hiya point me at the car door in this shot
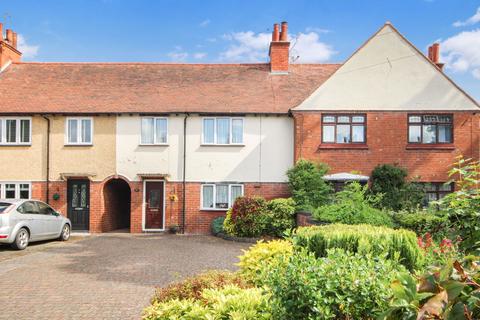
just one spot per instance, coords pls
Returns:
(30, 217)
(51, 221)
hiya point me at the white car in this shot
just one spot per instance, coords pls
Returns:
(24, 221)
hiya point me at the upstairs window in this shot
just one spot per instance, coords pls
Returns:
(154, 131)
(79, 131)
(430, 129)
(220, 196)
(15, 131)
(343, 128)
(222, 131)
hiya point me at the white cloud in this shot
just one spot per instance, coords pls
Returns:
(199, 55)
(253, 47)
(461, 52)
(28, 51)
(470, 21)
(205, 23)
(178, 54)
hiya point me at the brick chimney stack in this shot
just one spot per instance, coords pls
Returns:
(434, 55)
(8, 48)
(279, 49)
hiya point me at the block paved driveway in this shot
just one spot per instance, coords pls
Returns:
(109, 276)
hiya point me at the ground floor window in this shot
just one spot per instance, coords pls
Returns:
(437, 190)
(15, 190)
(220, 196)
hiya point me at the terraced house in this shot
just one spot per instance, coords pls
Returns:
(148, 146)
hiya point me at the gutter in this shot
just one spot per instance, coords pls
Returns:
(184, 172)
(47, 191)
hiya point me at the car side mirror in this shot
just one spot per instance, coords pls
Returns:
(56, 214)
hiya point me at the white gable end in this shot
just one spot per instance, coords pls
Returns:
(388, 73)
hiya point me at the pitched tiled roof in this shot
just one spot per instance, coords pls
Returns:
(156, 87)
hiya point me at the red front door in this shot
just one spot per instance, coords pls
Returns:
(154, 204)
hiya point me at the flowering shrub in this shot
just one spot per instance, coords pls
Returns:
(438, 253)
(247, 217)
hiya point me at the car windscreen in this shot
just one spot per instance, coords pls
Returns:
(4, 206)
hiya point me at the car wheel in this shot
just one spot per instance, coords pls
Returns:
(21, 240)
(65, 235)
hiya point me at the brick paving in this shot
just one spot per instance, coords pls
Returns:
(109, 276)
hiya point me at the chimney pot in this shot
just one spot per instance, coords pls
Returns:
(14, 40)
(283, 33)
(1, 32)
(436, 53)
(430, 50)
(9, 35)
(275, 33)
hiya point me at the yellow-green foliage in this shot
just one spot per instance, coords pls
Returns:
(262, 257)
(364, 239)
(231, 302)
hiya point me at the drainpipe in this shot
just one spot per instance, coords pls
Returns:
(48, 159)
(184, 171)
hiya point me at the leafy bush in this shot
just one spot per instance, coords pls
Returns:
(450, 292)
(398, 194)
(363, 239)
(340, 286)
(262, 257)
(423, 221)
(307, 186)
(247, 217)
(230, 302)
(463, 205)
(280, 216)
(217, 225)
(192, 287)
(353, 205)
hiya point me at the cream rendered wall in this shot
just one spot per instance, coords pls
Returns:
(265, 156)
(97, 159)
(26, 163)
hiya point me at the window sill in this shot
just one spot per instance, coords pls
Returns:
(78, 144)
(15, 144)
(343, 146)
(153, 145)
(447, 146)
(213, 210)
(222, 145)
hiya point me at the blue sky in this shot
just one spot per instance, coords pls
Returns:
(238, 30)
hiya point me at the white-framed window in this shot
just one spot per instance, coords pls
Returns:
(15, 131)
(219, 196)
(15, 190)
(79, 131)
(154, 130)
(222, 131)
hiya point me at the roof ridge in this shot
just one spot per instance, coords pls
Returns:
(169, 63)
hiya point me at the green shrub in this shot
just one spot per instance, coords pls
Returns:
(362, 239)
(192, 287)
(217, 225)
(262, 257)
(247, 217)
(340, 286)
(353, 205)
(307, 186)
(398, 194)
(230, 302)
(280, 216)
(423, 221)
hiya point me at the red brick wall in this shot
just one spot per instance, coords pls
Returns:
(387, 143)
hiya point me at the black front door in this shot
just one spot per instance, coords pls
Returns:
(78, 197)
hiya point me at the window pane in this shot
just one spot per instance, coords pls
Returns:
(445, 187)
(72, 131)
(237, 131)
(444, 133)
(24, 191)
(75, 195)
(154, 198)
(358, 134)
(358, 119)
(1, 131)
(29, 207)
(431, 197)
(328, 119)
(223, 131)
(10, 191)
(221, 197)
(44, 209)
(344, 119)
(445, 119)
(415, 119)
(147, 130)
(236, 191)
(86, 131)
(343, 134)
(414, 134)
(430, 118)
(161, 128)
(11, 125)
(25, 131)
(208, 131)
(207, 197)
(429, 133)
(328, 134)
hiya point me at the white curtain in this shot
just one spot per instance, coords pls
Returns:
(207, 197)
(237, 131)
(223, 131)
(147, 130)
(161, 128)
(72, 131)
(24, 130)
(208, 131)
(236, 191)
(86, 131)
(221, 201)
